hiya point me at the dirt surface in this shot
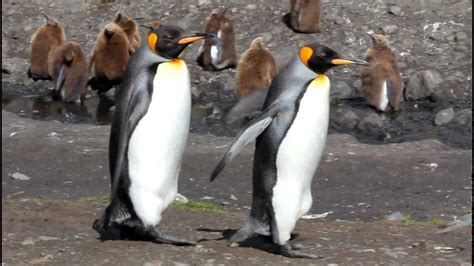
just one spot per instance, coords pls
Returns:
(358, 184)
(59, 233)
(54, 156)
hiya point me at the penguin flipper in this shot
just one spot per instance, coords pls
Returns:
(252, 131)
(249, 105)
(59, 83)
(392, 98)
(127, 114)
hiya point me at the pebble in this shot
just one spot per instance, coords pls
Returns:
(207, 198)
(28, 241)
(396, 216)
(464, 116)
(444, 116)
(251, 7)
(232, 197)
(47, 238)
(371, 123)
(389, 29)
(460, 36)
(20, 176)
(395, 10)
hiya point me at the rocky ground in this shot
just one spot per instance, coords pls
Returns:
(55, 173)
(433, 42)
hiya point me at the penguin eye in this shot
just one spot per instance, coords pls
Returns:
(152, 40)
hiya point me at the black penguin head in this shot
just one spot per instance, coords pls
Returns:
(320, 58)
(169, 42)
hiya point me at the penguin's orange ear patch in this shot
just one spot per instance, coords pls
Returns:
(305, 54)
(152, 39)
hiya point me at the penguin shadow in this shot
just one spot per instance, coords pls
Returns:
(260, 242)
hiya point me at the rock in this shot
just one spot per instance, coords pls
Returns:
(345, 119)
(195, 92)
(181, 198)
(444, 116)
(251, 7)
(443, 91)
(341, 90)
(466, 220)
(225, 203)
(19, 176)
(371, 123)
(460, 36)
(436, 35)
(464, 117)
(389, 29)
(422, 84)
(28, 241)
(207, 198)
(232, 197)
(226, 82)
(396, 216)
(357, 84)
(394, 10)
(47, 238)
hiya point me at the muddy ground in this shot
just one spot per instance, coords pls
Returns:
(408, 165)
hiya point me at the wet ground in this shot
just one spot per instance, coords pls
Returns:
(410, 165)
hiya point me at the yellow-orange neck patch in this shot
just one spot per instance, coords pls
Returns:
(305, 54)
(321, 81)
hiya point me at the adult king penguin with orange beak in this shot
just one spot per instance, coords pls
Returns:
(291, 133)
(148, 137)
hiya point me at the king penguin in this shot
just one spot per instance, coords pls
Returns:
(291, 133)
(148, 137)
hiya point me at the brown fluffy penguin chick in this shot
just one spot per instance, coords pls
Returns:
(130, 27)
(381, 82)
(46, 40)
(255, 70)
(305, 16)
(109, 58)
(70, 73)
(218, 54)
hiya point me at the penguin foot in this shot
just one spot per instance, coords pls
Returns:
(165, 238)
(241, 235)
(288, 250)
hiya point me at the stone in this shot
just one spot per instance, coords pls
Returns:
(443, 91)
(20, 176)
(394, 10)
(226, 82)
(28, 241)
(396, 216)
(251, 7)
(341, 90)
(460, 36)
(444, 116)
(436, 35)
(463, 117)
(422, 84)
(344, 119)
(389, 29)
(371, 123)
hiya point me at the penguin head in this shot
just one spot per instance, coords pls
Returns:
(320, 58)
(379, 41)
(169, 42)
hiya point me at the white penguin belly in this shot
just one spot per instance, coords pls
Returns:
(383, 102)
(298, 157)
(157, 144)
(216, 51)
